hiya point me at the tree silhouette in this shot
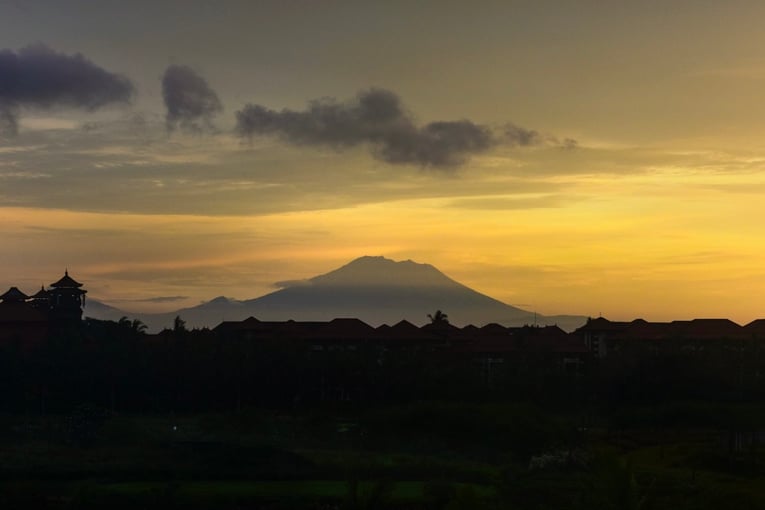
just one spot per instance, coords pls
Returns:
(138, 326)
(135, 326)
(438, 317)
(179, 325)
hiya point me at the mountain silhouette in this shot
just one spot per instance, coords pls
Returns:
(376, 290)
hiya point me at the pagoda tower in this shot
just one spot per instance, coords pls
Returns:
(20, 321)
(66, 300)
(41, 300)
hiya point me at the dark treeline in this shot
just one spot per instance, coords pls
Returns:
(117, 367)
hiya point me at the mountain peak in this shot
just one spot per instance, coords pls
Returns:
(219, 300)
(380, 260)
(381, 271)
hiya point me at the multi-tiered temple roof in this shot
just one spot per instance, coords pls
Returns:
(66, 282)
(29, 318)
(13, 295)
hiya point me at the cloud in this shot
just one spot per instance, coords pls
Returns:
(516, 135)
(378, 118)
(157, 299)
(37, 77)
(191, 103)
(161, 299)
(509, 203)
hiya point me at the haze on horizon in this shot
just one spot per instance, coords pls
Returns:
(575, 158)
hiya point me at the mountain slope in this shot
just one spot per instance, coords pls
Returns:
(380, 290)
(99, 310)
(374, 289)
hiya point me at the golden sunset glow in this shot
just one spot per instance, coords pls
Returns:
(624, 174)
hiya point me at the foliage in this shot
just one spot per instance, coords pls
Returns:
(438, 317)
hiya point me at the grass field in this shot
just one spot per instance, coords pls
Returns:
(276, 461)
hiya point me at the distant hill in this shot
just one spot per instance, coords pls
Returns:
(376, 290)
(98, 310)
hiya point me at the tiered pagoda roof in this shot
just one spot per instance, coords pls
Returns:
(66, 282)
(41, 294)
(13, 295)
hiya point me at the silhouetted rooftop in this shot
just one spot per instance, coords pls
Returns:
(41, 294)
(66, 282)
(756, 327)
(13, 294)
(696, 329)
(19, 311)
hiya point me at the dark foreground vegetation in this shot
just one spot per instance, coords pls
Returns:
(107, 417)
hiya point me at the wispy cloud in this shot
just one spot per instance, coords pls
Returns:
(157, 299)
(507, 203)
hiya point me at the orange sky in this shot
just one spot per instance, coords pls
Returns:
(655, 213)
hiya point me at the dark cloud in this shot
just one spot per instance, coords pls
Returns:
(191, 103)
(378, 118)
(516, 135)
(38, 77)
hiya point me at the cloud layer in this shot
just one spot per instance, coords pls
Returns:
(37, 77)
(191, 103)
(378, 118)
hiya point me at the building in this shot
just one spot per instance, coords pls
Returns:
(28, 320)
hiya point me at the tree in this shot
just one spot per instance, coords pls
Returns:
(438, 318)
(135, 326)
(138, 326)
(179, 324)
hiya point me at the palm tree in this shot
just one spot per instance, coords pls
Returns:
(138, 326)
(438, 318)
(135, 326)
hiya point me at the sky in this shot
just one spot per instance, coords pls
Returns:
(593, 158)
